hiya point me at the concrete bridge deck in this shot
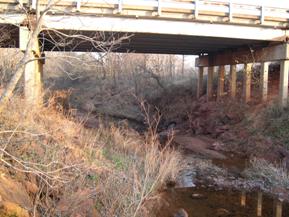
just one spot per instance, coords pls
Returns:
(221, 32)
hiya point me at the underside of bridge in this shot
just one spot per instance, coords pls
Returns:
(214, 49)
(71, 41)
(147, 43)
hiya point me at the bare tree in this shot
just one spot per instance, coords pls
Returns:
(59, 39)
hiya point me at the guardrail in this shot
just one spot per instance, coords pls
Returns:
(256, 12)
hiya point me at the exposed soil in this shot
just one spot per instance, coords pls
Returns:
(228, 133)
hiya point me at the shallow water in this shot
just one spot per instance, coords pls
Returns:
(206, 202)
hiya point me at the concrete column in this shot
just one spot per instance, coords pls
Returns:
(247, 82)
(221, 82)
(33, 81)
(264, 81)
(283, 85)
(210, 82)
(33, 69)
(233, 81)
(200, 82)
(259, 204)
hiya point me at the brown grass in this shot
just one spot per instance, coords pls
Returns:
(108, 170)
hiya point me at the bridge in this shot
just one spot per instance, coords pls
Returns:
(220, 32)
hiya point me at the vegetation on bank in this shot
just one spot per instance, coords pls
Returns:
(277, 124)
(69, 170)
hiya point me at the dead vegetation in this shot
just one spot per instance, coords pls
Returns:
(70, 170)
(271, 177)
(111, 169)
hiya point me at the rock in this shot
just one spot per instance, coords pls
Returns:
(181, 213)
(172, 125)
(218, 146)
(186, 179)
(221, 212)
(197, 196)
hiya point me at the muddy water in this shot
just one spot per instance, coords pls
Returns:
(206, 202)
(201, 201)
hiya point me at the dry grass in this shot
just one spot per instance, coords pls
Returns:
(271, 175)
(110, 171)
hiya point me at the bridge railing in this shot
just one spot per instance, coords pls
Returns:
(254, 12)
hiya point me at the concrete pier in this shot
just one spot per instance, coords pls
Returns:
(221, 82)
(233, 81)
(264, 81)
(283, 85)
(200, 81)
(247, 73)
(210, 79)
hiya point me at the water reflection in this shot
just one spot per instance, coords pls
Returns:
(243, 198)
(221, 203)
(278, 208)
(259, 204)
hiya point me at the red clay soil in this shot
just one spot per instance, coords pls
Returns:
(229, 121)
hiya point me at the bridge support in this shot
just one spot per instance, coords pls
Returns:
(33, 81)
(221, 82)
(33, 69)
(264, 81)
(283, 85)
(247, 73)
(233, 81)
(264, 55)
(200, 82)
(210, 79)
